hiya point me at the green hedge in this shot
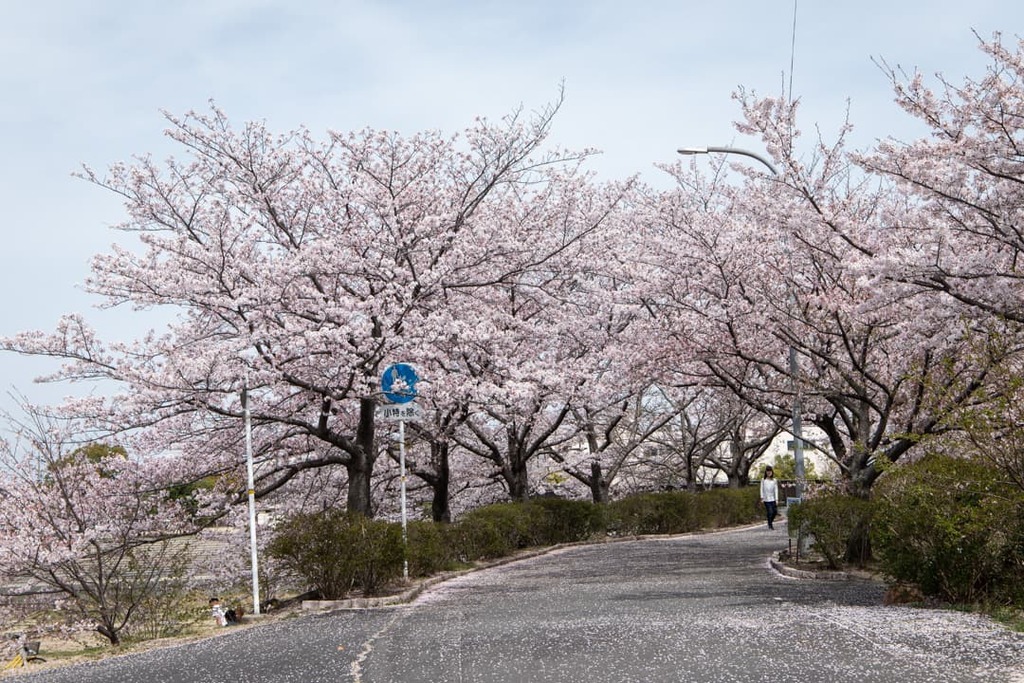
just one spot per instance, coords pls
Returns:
(337, 553)
(839, 525)
(676, 512)
(954, 527)
(431, 548)
(495, 531)
(558, 520)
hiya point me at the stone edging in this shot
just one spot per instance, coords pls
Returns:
(826, 575)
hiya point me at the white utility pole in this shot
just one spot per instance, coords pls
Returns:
(252, 501)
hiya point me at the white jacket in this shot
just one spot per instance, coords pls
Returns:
(769, 490)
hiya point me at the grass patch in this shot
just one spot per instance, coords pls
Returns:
(1010, 617)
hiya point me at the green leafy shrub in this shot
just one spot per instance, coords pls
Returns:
(837, 522)
(430, 548)
(501, 529)
(726, 507)
(565, 521)
(671, 512)
(676, 512)
(377, 551)
(336, 552)
(952, 527)
(497, 530)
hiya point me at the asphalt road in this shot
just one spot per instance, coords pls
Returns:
(690, 608)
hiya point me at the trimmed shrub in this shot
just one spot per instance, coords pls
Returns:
(566, 521)
(672, 512)
(336, 552)
(430, 548)
(952, 527)
(503, 528)
(676, 512)
(377, 553)
(726, 507)
(836, 522)
(496, 530)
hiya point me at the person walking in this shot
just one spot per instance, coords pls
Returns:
(770, 495)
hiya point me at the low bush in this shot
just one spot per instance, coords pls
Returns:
(496, 530)
(377, 553)
(431, 549)
(676, 512)
(566, 521)
(654, 513)
(837, 522)
(336, 552)
(954, 528)
(726, 507)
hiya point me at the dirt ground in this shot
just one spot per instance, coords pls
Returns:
(83, 647)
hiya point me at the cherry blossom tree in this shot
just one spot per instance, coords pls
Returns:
(685, 446)
(779, 264)
(611, 439)
(523, 353)
(748, 437)
(86, 523)
(302, 267)
(528, 377)
(961, 235)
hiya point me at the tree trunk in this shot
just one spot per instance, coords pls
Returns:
(516, 477)
(599, 488)
(360, 467)
(109, 633)
(858, 547)
(440, 506)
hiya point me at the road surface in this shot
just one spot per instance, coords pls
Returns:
(693, 608)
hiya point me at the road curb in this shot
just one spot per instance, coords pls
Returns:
(823, 575)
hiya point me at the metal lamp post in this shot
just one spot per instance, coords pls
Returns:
(251, 490)
(798, 442)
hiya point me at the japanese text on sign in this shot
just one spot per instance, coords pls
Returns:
(404, 412)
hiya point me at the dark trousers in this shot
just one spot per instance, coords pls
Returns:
(771, 509)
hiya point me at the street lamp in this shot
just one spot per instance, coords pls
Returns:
(254, 562)
(798, 442)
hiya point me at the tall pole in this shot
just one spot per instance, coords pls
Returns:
(405, 530)
(398, 383)
(798, 441)
(252, 501)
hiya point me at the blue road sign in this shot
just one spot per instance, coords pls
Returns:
(399, 383)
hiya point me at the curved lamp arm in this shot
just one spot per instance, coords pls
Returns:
(687, 151)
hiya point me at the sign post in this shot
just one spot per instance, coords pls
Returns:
(399, 386)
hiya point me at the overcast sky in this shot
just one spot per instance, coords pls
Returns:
(85, 83)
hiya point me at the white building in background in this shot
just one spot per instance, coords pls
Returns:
(815, 449)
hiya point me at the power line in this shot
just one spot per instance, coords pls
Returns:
(792, 54)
